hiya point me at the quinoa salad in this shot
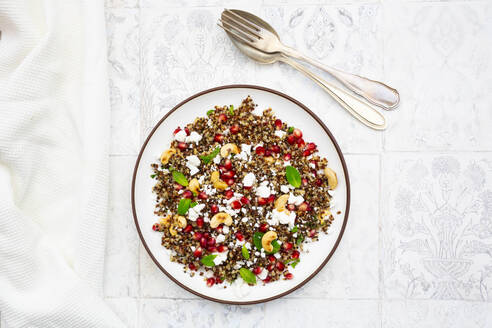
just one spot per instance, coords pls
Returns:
(239, 193)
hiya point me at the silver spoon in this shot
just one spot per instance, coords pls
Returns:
(358, 108)
(260, 35)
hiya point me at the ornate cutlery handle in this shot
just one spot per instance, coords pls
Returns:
(361, 110)
(375, 92)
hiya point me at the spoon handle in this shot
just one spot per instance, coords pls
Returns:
(375, 92)
(360, 109)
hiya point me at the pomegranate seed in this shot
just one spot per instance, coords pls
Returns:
(280, 266)
(288, 246)
(295, 254)
(187, 194)
(267, 279)
(236, 204)
(212, 249)
(156, 226)
(278, 124)
(222, 169)
(306, 153)
(271, 198)
(182, 146)
(260, 151)
(219, 138)
(287, 157)
(210, 282)
(257, 270)
(312, 233)
(222, 118)
(301, 143)
(187, 131)
(244, 200)
(228, 175)
(239, 236)
(262, 201)
(318, 182)
(275, 149)
(206, 235)
(197, 235)
(188, 228)
(230, 182)
(270, 267)
(178, 186)
(247, 187)
(291, 139)
(197, 252)
(234, 129)
(297, 133)
(177, 130)
(200, 222)
(221, 248)
(228, 164)
(211, 241)
(272, 259)
(291, 207)
(304, 181)
(218, 280)
(303, 207)
(268, 152)
(192, 266)
(219, 228)
(202, 195)
(311, 146)
(264, 227)
(203, 241)
(214, 209)
(229, 194)
(288, 276)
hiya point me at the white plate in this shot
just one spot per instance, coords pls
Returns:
(288, 110)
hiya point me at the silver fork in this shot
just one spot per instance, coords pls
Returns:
(257, 33)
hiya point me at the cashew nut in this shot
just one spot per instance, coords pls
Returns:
(180, 221)
(166, 155)
(332, 178)
(227, 149)
(269, 159)
(214, 176)
(215, 179)
(281, 202)
(194, 185)
(266, 240)
(220, 218)
(326, 213)
(172, 231)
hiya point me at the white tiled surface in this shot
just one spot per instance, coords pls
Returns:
(418, 247)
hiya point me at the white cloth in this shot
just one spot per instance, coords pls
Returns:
(54, 131)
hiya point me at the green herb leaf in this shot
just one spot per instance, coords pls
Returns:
(209, 260)
(180, 178)
(257, 239)
(276, 247)
(210, 112)
(245, 252)
(193, 204)
(208, 158)
(299, 240)
(184, 206)
(295, 263)
(290, 130)
(294, 229)
(247, 276)
(153, 176)
(231, 110)
(293, 176)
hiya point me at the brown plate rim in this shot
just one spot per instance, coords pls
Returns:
(325, 128)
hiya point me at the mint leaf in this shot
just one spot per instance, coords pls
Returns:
(153, 176)
(184, 206)
(245, 252)
(209, 260)
(208, 158)
(257, 239)
(210, 112)
(231, 110)
(180, 178)
(247, 276)
(294, 229)
(293, 176)
(290, 130)
(299, 240)
(193, 204)
(295, 263)
(276, 247)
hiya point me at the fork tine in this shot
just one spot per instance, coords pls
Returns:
(241, 25)
(234, 34)
(246, 21)
(236, 30)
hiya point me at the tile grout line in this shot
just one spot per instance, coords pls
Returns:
(139, 287)
(380, 242)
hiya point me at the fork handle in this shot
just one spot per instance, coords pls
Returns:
(375, 92)
(360, 109)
